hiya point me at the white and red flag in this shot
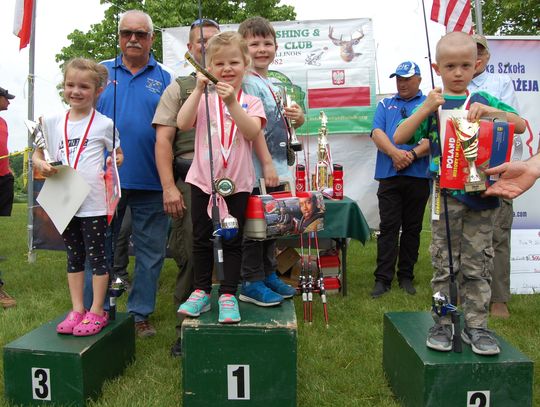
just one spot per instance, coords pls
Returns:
(454, 14)
(331, 88)
(22, 22)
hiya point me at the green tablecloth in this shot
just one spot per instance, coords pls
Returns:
(344, 219)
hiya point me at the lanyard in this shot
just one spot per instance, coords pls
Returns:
(279, 103)
(226, 144)
(80, 147)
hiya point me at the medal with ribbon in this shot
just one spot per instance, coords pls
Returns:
(225, 186)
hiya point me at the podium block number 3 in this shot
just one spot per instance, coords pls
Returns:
(478, 399)
(238, 382)
(41, 384)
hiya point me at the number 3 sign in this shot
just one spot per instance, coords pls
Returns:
(41, 384)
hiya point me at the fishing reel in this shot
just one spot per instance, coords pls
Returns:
(228, 228)
(117, 287)
(441, 305)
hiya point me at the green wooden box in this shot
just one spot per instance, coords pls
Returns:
(44, 367)
(252, 363)
(422, 377)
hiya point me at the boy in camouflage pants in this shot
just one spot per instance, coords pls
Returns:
(471, 216)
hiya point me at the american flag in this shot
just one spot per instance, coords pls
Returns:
(454, 14)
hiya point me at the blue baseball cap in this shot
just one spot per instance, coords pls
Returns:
(406, 70)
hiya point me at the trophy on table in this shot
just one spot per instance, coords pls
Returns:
(37, 133)
(467, 133)
(322, 172)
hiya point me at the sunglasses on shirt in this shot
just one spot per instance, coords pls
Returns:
(403, 112)
(140, 35)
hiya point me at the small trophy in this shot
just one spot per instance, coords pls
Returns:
(295, 143)
(38, 137)
(467, 134)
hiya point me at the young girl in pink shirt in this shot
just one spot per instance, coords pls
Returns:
(236, 121)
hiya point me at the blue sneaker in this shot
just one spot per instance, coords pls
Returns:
(259, 294)
(228, 309)
(197, 303)
(273, 282)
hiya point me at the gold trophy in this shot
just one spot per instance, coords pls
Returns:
(467, 134)
(323, 156)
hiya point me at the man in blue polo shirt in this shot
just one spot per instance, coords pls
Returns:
(140, 82)
(402, 172)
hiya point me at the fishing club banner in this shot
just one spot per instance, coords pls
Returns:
(517, 57)
(323, 64)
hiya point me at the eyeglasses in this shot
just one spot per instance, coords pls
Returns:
(403, 112)
(204, 22)
(140, 35)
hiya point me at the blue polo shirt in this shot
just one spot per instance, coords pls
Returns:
(390, 111)
(137, 97)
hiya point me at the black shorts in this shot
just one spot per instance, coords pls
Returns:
(6, 194)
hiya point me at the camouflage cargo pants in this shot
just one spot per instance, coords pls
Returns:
(471, 235)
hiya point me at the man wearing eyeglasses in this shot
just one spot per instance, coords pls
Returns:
(402, 172)
(174, 150)
(140, 81)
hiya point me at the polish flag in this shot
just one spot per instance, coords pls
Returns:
(333, 88)
(454, 14)
(22, 23)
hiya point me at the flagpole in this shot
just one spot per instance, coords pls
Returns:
(30, 191)
(478, 13)
(428, 48)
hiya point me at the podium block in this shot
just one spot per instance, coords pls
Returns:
(44, 367)
(252, 363)
(423, 377)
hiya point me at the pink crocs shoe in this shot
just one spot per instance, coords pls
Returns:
(73, 319)
(91, 324)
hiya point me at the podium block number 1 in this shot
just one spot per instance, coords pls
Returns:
(41, 384)
(238, 382)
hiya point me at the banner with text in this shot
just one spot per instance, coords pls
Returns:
(517, 57)
(323, 64)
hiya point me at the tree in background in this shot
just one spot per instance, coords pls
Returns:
(100, 41)
(510, 17)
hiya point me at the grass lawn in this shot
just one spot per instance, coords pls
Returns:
(337, 366)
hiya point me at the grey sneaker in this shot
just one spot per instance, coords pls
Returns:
(481, 340)
(440, 338)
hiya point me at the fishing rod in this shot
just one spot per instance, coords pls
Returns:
(303, 278)
(216, 221)
(116, 284)
(451, 307)
(320, 279)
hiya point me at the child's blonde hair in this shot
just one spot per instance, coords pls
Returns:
(225, 39)
(98, 72)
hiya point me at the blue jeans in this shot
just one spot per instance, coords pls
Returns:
(149, 234)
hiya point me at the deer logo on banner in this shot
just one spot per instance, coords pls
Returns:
(346, 46)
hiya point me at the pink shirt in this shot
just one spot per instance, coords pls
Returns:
(4, 162)
(239, 163)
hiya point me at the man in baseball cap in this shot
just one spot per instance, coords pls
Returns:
(401, 171)
(406, 70)
(6, 94)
